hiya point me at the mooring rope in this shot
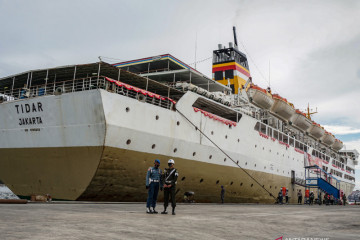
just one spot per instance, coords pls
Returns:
(236, 163)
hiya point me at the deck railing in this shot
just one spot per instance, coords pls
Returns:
(78, 85)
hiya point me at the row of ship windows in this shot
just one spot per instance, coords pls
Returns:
(178, 124)
(210, 156)
(231, 183)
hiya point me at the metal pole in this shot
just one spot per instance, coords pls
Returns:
(73, 87)
(30, 79)
(97, 81)
(46, 79)
(190, 76)
(148, 67)
(119, 75)
(147, 83)
(27, 81)
(12, 87)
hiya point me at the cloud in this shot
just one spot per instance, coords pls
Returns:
(341, 130)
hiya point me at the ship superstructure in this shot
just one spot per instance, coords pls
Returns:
(89, 132)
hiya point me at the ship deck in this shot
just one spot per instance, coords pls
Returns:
(68, 220)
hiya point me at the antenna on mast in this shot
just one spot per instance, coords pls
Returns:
(195, 47)
(235, 39)
(269, 73)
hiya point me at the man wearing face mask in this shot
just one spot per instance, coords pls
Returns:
(153, 182)
(169, 179)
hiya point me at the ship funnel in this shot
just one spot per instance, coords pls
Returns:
(231, 45)
(220, 46)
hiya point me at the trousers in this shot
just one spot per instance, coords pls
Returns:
(167, 193)
(152, 194)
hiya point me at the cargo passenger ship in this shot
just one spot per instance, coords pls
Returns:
(90, 132)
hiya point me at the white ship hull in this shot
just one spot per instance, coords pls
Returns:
(97, 145)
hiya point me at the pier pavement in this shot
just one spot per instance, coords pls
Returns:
(74, 220)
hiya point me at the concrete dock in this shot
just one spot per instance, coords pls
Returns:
(197, 221)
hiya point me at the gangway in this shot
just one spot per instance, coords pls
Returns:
(315, 177)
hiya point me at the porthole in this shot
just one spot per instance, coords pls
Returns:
(128, 141)
(238, 140)
(263, 148)
(201, 180)
(237, 162)
(246, 163)
(278, 153)
(153, 146)
(178, 123)
(217, 182)
(231, 183)
(255, 165)
(194, 153)
(252, 185)
(212, 132)
(264, 167)
(157, 117)
(183, 178)
(224, 159)
(270, 150)
(127, 109)
(210, 156)
(225, 136)
(255, 146)
(241, 184)
(175, 150)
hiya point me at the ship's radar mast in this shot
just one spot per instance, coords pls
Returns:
(308, 113)
(230, 65)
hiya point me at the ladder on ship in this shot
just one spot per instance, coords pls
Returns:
(315, 177)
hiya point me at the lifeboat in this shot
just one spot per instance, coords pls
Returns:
(316, 130)
(337, 145)
(300, 120)
(282, 108)
(328, 138)
(260, 97)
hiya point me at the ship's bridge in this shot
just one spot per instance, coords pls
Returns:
(169, 70)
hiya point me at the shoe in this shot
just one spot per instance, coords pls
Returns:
(149, 211)
(173, 211)
(154, 211)
(164, 212)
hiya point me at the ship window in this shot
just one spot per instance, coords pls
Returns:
(219, 75)
(232, 88)
(229, 74)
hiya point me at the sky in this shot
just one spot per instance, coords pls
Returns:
(308, 51)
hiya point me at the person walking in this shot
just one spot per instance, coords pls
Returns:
(344, 199)
(169, 178)
(287, 196)
(153, 183)
(280, 197)
(311, 198)
(299, 197)
(332, 199)
(222, 194)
